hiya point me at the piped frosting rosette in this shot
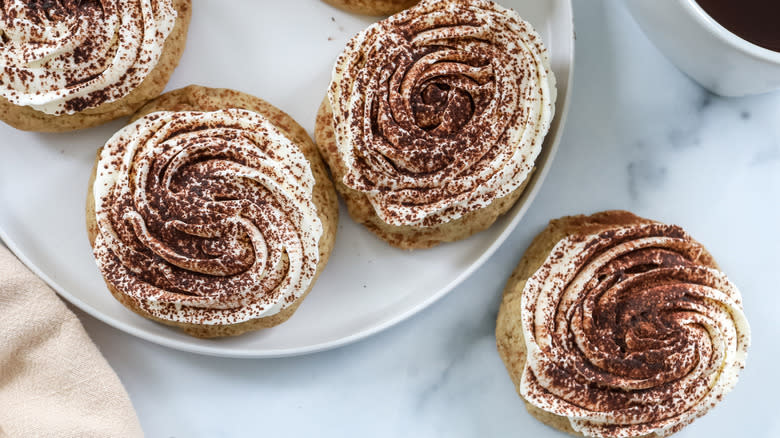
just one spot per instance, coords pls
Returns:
(627, 334)
(64, 56)
(441, 109)
(206, 217)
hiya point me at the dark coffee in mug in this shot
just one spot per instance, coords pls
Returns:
(757, 21)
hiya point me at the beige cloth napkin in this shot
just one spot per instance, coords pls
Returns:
(53, 380)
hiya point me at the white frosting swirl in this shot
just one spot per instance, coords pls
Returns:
(441, 109)
(64, 56)
(627, 334)
(206, 217)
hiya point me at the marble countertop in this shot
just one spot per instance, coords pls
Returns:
(640, 136)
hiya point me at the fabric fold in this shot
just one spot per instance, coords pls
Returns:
(53, 379)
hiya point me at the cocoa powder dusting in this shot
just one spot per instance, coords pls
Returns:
(621, 342)
(201, 231)
(442, 92)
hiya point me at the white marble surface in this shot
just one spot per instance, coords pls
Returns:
(640, 136)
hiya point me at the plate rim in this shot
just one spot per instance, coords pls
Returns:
(561, 115)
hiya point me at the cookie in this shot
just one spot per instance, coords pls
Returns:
(431, 125)
(212, 212)
(84, 77)
(372, 7)
(602, 327)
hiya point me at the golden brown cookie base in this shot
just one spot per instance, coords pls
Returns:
(372, 7)
(509, 330)
(404, 237)
(196, 98)
(28, 119)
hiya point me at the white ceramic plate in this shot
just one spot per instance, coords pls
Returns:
(282, 52)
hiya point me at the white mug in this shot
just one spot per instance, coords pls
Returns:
(698, 45)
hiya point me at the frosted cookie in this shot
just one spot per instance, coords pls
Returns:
(72, 64)
(434, 119)
(212, 212)
(617, 326)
